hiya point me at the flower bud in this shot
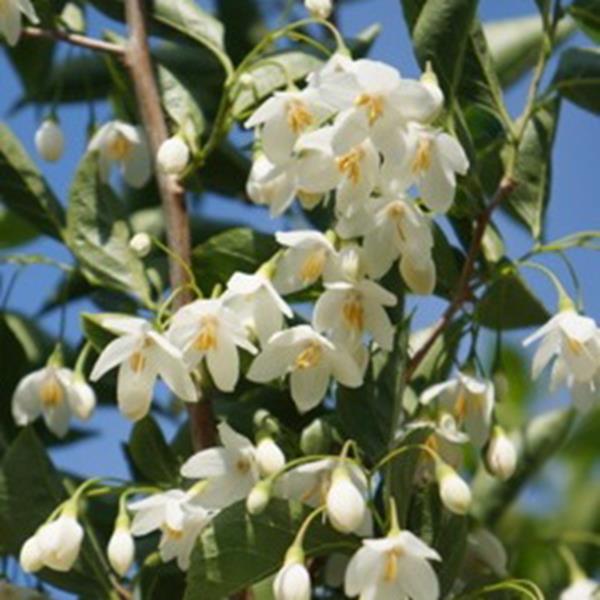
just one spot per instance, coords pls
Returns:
(454, 492)
(121, 549)
(60, 541)
(31, 556)
(419, 273)
(316, 438)
(49, 140)
(292, 582)
(320, 9)
(269, 457)
(345, 504)
(247, 80)
(141, 244)
(259, 497)
(173, 156)
(501, 455)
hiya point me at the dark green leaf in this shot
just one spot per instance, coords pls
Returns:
(578, 77)
(238, 550)
(14, 231)
(244, 26)
(91, 325)
(24, 190)
(587, 15)
(98, 233)
(448, 263)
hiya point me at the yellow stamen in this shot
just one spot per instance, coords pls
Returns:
(137, 362)
(313, 266)
(391, 565)
(349, 164)
(422, 160)
(242, 465)
(309, 357)
(173, 534)
(373, 104)
(51, 392)
(353, 312)
(397, 212)
(207, 337)
(299, 117)
(118, 147)
(575, 346)
(460, 406)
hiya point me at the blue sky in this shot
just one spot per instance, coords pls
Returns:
(574, 196)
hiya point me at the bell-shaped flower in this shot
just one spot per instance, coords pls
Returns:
(469, 400)
(393, 567)
(581, 589)
(50, 141)
(501, 455)
(121, 549)
(55, 393)
(208, 330)
(178, 515)
(349, 310)
(345, 502)
(292, 581)
(257, 304)
(272, 185)
(10, 18)
(231, 469)
(310, 359)
(142, 354)
(572, 342)
(127, 145)
(309, 256)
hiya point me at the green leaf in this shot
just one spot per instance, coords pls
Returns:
(98, 233)
(578, 77)
(533, 172)
(587, 15)
(238, 550)
(150, 453)
(14, 231)
(240, 249)
(244, 26)
(24, 190)
(448, 263)
(508, 303)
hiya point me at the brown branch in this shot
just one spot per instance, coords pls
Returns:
(462, 293)
(74, 39)
(139, 63)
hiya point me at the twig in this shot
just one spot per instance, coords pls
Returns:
(139, 63)
(74, 39)
(462, 293)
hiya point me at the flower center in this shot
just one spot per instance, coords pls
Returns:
(309, 357)
(51, 392)
(349, 164)
(242, 465)
(207, 338)
(373, 104)
(390, 571)
(137, 362)
(575, 346)
(422, 160)
(353, 312)
(397, 212)
(308, 199)
(460, 406)
(173, 534)
(118, 147)
(298, 116)
(313, 265)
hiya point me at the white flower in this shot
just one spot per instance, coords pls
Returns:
(49, 140)
(231, 470)
(469, 400)
(142, 355)
(348, 310)
(585, 394)
(346, 506)
(581, 589)
(292, 582)
(30, 557)
(126, 144)
(310, 255)
(141, 244)
(257, 304)
(501, 455)
(58, 543)
(10, 18)
(321, 9)
(208, 330)
(272, 185)
(393, 568)
(173, 155)
(55, 393)
(488, 549)
(454, 492)
(573, 343)
(432, 159)
(180, 518)
(311, 360)
(269, 457)
(121, 549)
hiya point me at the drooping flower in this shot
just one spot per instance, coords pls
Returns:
(469, 400)
(501, 455)
(142, 354)
(127, 145)
(55, 393)
(231, 469)
(257, 304)
(10, 18)
(292, 581)
(310, 359)
(349, 310)
(121, 549)
(208, 330)
(345, 502)
(49, 140)
(320, 9)
(393, 567)
(173, 155)
(454, 491)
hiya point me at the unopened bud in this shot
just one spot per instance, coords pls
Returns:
(269, 457)
(501, 455)
(259, 497)
(50, 141)
(346, 506)
(454, 492)
(320, 9)
(292, 582)
(141, 244)
(173, 156)
(121, 549)
(30, 558)
(247, 80)
(316, 438)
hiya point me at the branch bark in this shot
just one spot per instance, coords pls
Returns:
(74, 39)
(461, 295)
(139, 64)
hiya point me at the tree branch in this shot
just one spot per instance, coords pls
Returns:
(74, 39)
(461, 295)
(139, 63)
